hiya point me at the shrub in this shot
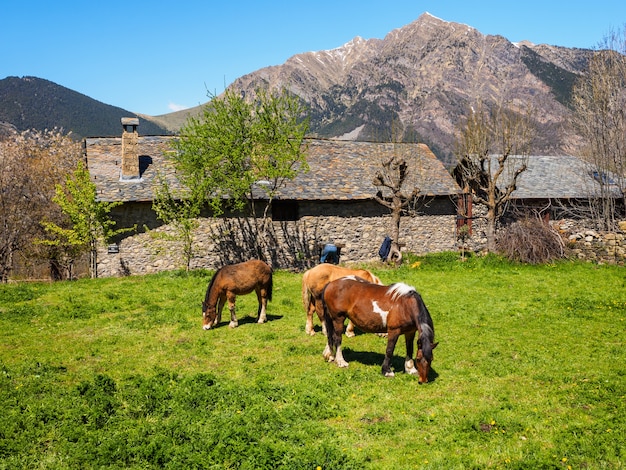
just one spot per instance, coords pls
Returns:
(530, 240)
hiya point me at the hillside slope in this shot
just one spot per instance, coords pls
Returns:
(36, 103)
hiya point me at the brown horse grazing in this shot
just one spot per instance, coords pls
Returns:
(313, 282)
(396, 309)
(231, 281)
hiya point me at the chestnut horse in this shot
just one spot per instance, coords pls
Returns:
(231, 281)
(313, 282)
(396, 309)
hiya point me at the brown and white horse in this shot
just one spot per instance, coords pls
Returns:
(396, 309)
(313, 282)
(231, 281)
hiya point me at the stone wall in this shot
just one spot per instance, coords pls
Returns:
(593, 245)
(292, 244)
(296, 244)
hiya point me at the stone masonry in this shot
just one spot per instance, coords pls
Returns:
(297, 243)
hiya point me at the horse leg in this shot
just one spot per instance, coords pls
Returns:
(220, 306)
(409, 365)
(262, 298)
(392, 339)
(350, 330)
(331, 347)
(319, 309)
(328, 352)
(336, 336)
(333, 339)
(231, 306)
(309, 318)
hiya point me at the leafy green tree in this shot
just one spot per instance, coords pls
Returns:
(88, 218)
(241, 151)
(180, 211)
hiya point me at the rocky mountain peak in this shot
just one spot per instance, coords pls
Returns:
(419, 81)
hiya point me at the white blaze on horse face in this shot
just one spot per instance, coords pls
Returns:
(383, 313)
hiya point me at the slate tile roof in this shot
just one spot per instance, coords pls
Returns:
(554, 177)
(345, 170)
(104, 161)
(339, 170)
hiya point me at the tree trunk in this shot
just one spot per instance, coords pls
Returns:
(93, 260)
(394, 253)
(491, 230)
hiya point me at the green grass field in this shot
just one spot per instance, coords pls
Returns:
(530, 372)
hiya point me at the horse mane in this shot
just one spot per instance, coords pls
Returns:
(400, 289)
(208, 289)
(427, 329)
(375, 279)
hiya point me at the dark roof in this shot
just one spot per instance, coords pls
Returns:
(339, 170)
(553, 177)
(343, 170)
(104, 161)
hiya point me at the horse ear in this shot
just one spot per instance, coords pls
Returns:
(434, 345)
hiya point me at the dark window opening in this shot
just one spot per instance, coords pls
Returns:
(284, 210)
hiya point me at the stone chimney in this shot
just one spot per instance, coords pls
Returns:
(130, 149)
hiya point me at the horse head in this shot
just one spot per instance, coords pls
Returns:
(424, 358)
(209, 314)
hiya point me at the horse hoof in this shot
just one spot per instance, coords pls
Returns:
(233, 324)
(350, 334)
(343, 364)
(389, 374)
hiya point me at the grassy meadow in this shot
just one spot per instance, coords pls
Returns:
(530, 372)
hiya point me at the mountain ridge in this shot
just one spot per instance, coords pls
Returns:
(415, 84)
(36, 103)
(424, 77)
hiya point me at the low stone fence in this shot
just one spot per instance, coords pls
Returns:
(598, 247)
(296, 245)
(593, 245)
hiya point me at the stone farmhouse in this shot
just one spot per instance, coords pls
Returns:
(331, 203)
(557, 185)
(552, 187)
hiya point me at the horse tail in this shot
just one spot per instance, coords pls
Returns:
(271, 285)
(305, 291)
(330, 326)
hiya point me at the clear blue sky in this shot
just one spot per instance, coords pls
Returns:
(156, 56)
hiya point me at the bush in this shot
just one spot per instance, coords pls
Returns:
(531, 241)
